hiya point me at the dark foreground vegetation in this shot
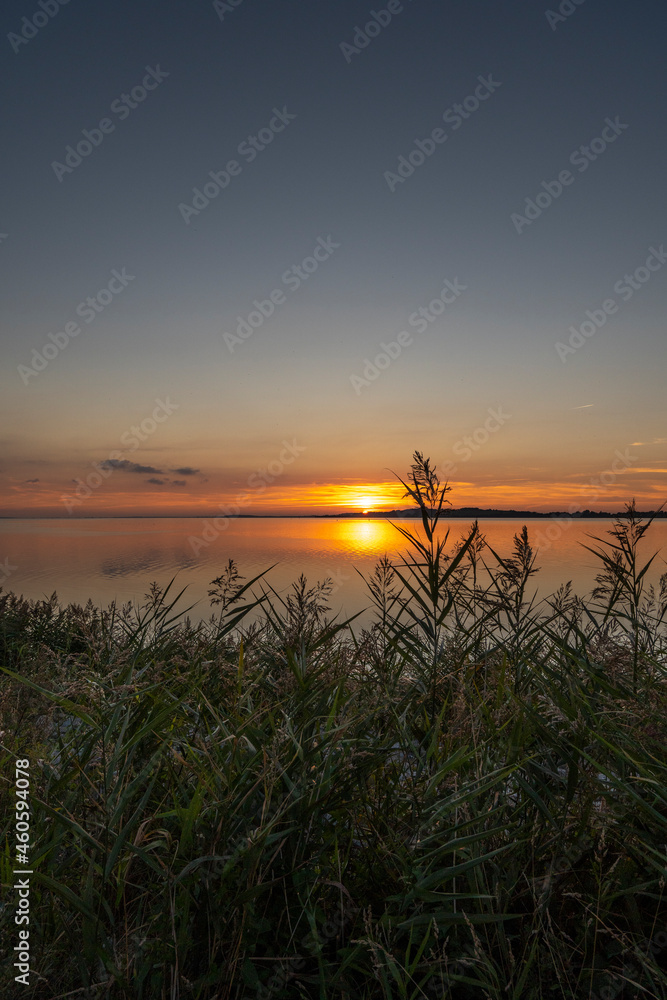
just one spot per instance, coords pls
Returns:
(466, 800)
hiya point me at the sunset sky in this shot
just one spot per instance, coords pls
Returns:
(363, 176)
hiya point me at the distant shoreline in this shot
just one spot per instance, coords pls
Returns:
(460, 513)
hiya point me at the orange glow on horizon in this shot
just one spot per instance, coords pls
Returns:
(114, 498)
(365, 497)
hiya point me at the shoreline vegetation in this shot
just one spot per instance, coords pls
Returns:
(467, 799)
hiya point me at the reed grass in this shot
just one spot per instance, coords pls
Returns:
(468, 799)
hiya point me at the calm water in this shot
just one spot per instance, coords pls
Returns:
(117, 559)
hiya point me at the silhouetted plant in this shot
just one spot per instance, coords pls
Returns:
(238, 811)
(622, 582)
(226, 588)
(429, 578)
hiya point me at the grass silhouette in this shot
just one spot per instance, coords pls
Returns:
(467, 799)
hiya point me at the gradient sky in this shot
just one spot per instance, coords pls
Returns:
(590, 417)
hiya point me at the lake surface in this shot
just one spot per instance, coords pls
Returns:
(117, 559)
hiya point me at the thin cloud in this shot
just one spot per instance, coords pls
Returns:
(166, 482)
(32, 480)
(123, 465)
(187, 470)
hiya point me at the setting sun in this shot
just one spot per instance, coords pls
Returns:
(370, 496)
(369, 502)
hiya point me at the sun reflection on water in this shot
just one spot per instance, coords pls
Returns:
(369, 536)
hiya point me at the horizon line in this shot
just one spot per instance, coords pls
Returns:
(412, 512)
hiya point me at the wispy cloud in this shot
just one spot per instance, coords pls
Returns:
(187, 470)
(166, 482)
(123, 465)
